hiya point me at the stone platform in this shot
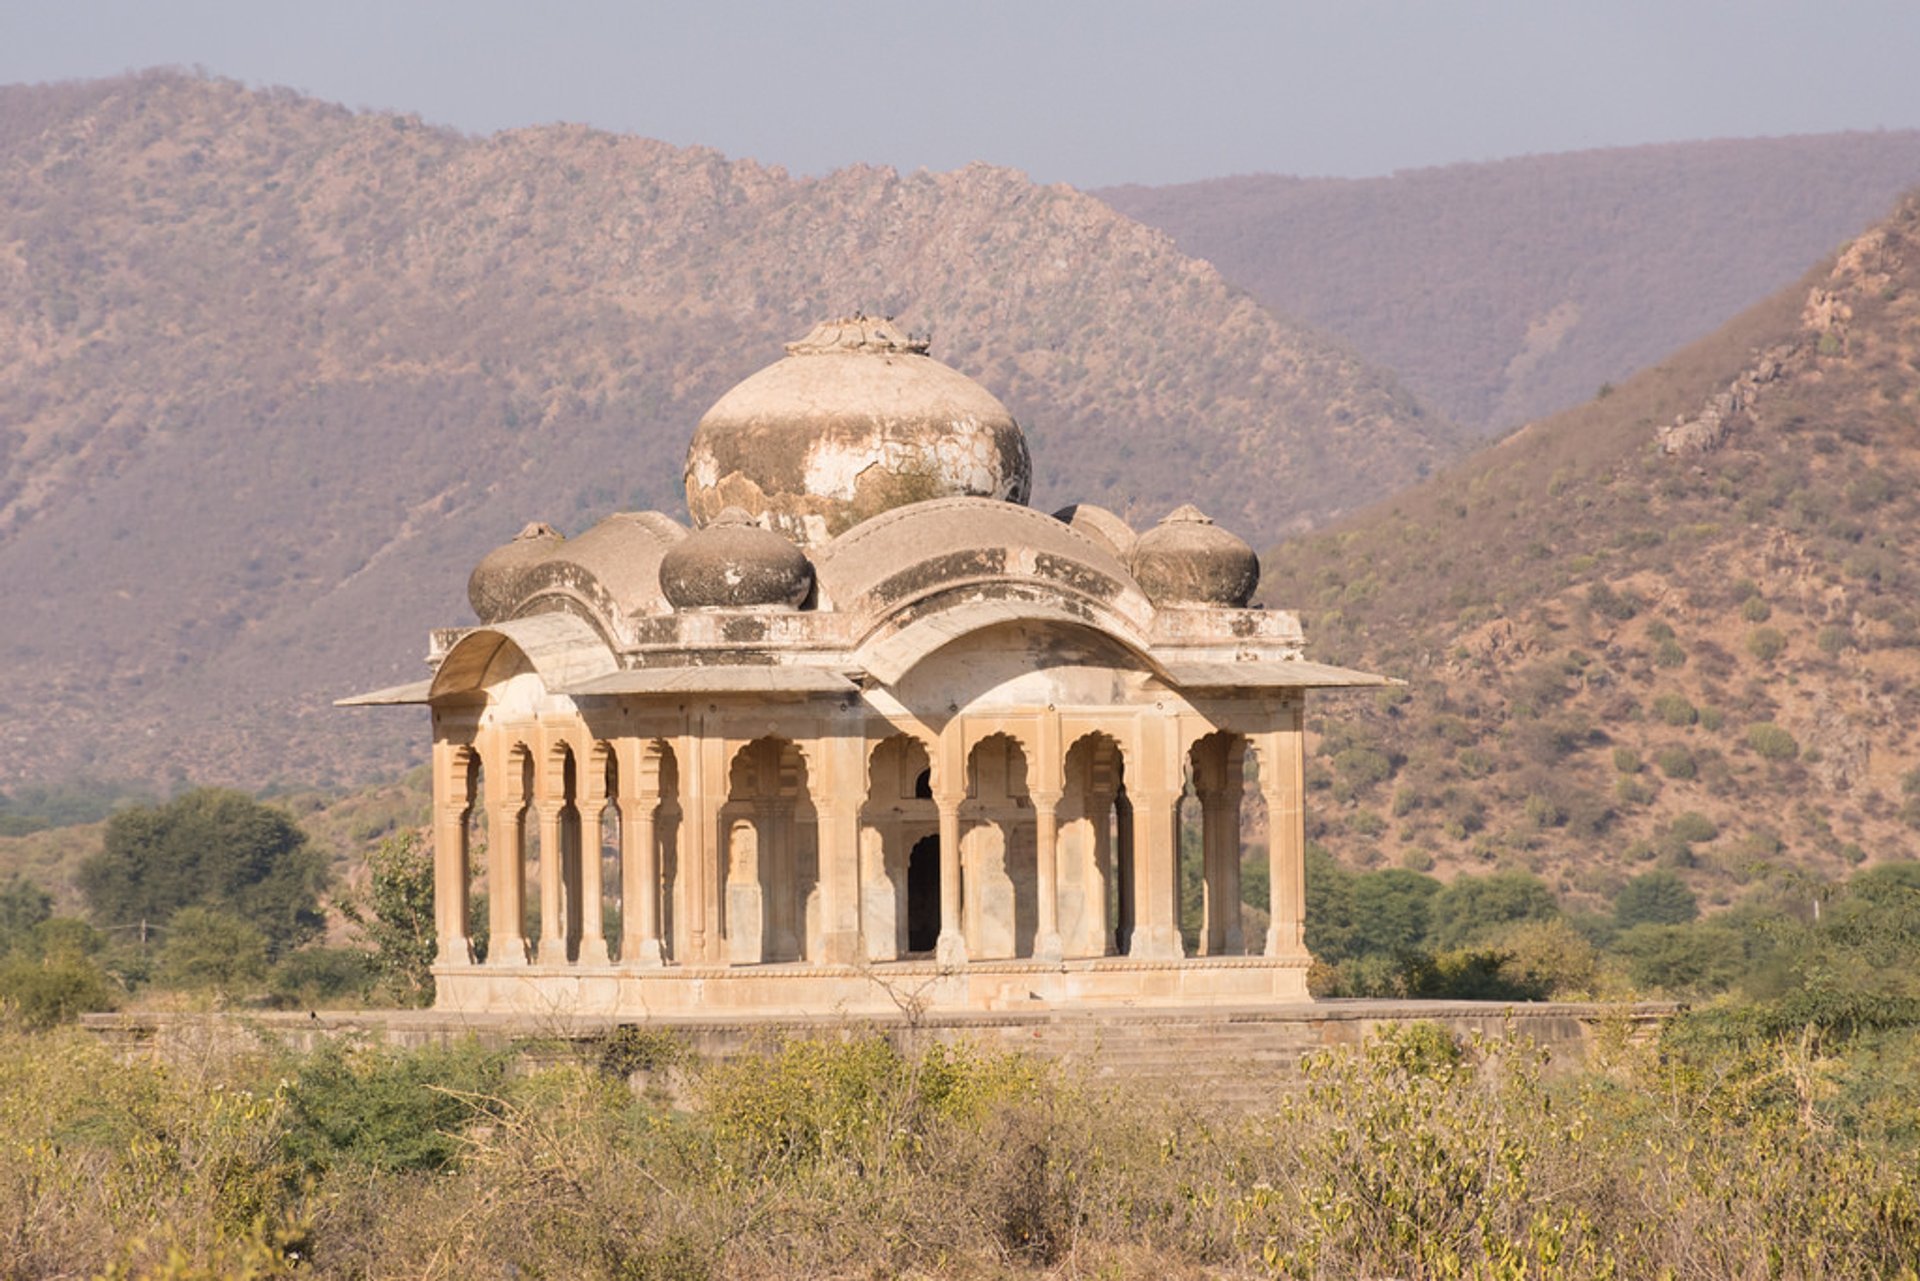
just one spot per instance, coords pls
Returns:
(1233, 1055)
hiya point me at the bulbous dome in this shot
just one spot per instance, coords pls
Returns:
(735, 564)
(493, 589)
(1188, 560)
(857, 419)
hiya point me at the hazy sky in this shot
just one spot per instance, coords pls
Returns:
(1081, 91)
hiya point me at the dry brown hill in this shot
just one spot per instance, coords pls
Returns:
(1677, 625)
(273, 375)
(1503, 292)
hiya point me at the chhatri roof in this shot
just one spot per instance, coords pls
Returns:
(877, 515)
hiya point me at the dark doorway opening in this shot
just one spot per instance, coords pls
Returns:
(1120, 905)
(923, 895)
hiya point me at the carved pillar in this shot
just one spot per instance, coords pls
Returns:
(839, 785)
(1283, 780)
(639, 865)
(553, 923)
(450, 880)
(1156, 928)
(1047, 945)
(951, 949)
(593, 926)
(507, 852)
(703, 788)
(1220, 882)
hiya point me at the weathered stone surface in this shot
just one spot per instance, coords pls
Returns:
(1188, 560)
(857, 419)
(734, 564)
(494, 588)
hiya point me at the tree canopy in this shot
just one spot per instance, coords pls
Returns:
(208, 848)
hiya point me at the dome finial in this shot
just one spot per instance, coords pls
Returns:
(858, 332)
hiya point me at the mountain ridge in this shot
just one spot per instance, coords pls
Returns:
(275, 374)
(1502, 291)
(1673, 626)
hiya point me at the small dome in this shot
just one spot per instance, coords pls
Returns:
(1188, 560)
(856, 420)
(494, 587)
(735, 564)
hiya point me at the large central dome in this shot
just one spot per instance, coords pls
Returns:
(855, 420)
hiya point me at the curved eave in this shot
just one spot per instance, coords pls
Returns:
(1296, 673)
(563, 650)
(392, 696)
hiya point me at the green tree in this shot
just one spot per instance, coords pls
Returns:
(1474, 908)
(209, 948)
(1658, 897)
(208, 848)
(1691, 959)
(23, 905)
(1392, 911)
(1329, 924)
(397, 916)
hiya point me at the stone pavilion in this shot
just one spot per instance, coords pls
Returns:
(872, 731)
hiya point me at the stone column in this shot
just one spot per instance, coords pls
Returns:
(839, 786)
(1047, 945)
(1220, 880)
(593, 927)
(1283, 779)
(703, 788)
(1156, 875)
(450, 882)
(553, 923)
(951, 949)
(507, 883)
(639, 869)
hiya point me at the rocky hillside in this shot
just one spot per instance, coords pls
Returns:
(1677, 626)
(1503, 292)
(273, 375)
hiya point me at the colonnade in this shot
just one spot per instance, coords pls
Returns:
(1057, 838)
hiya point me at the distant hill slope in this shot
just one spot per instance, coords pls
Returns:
(1503, 292)
(1678, 625)
(274, 375)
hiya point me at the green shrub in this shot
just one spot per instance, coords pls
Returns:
(1675, 709)
(319, 976)
(1658, 631)
(1604, 601)
(381, 1108)
(1629, 789)
(1683, 960)
(1626, 760)
(1669, 654)
(1756, 610)
(1711, 719)
(1474, 908)
(1772, 742)
(1766, 643)
(1366, 823)
(1362, 767)
(1658, 897)
(1693, 827)
(205, 947)
(39, 993)
(1675, 762)
(1833, 638)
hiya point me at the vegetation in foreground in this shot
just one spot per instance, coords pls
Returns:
(1722, 1151)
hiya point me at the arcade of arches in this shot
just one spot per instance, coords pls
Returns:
(756, 856)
